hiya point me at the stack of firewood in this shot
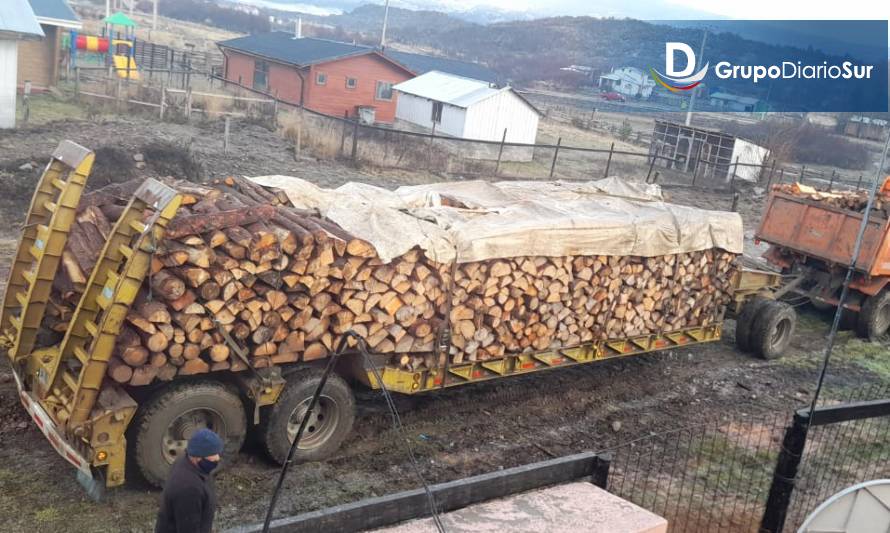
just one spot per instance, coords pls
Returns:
(243, 278)
(538, 303)
(283, 284)
(849, 200)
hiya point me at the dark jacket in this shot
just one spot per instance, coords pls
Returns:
(189, 500)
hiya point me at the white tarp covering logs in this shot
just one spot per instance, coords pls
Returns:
(476, 221)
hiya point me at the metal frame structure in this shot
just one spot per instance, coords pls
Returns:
(44, 235)
(63, 387)
(684, 148)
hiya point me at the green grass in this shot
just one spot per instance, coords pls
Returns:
(872, 356)
(47, 108)
(728, 467)
(731, 466)
(47, 516)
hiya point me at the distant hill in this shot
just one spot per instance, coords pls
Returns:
(406, 23)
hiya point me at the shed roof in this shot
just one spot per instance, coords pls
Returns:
(55, 13)
(282, 46)
(442, 87)
(17, 21)
(453, 90)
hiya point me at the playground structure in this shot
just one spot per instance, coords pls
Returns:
(115, 47)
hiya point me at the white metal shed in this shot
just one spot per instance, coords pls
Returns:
(17, 21)
(467, 108)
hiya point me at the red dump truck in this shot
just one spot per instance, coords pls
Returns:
(812, 239)
(99, 424)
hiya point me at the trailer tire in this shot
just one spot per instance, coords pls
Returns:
(331, 424)
(874, 317)
(164, 424)
(773, 329)
(745, 321)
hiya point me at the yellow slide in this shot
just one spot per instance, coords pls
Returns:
(121, 64)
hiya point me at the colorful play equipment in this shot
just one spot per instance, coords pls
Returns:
(116, 45)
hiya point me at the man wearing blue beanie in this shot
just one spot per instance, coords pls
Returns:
(189, 500)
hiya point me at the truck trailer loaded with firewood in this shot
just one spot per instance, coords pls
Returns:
(813, 237)
(139, 312)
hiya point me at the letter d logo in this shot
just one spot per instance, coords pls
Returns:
(670, 51)
(679, 80)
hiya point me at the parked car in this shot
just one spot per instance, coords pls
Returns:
(612, 96)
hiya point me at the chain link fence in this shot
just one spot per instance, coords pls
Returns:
(722, 476)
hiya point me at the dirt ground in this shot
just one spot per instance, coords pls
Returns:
(457, 432)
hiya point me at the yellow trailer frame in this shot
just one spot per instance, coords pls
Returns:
(407, 382)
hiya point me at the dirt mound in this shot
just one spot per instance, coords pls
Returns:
(17, 181)
(172, 159)
(113, 165)
(18, 177)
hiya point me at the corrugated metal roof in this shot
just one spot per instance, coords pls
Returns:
(281, 46)
(55, 11)
(447, 88)
(17, 20)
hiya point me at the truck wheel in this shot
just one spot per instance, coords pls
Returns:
(330, 424)
(164, 425)
(745, 321)
(874, 316)
(773, 329)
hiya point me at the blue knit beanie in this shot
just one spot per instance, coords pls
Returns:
(204, 443)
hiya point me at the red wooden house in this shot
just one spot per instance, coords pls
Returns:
(331, 77)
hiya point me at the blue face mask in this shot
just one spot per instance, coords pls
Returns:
(207, 465)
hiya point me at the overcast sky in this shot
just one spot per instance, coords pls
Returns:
(790, 9)
(661, 9)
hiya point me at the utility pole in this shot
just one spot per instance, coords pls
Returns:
(701, 56)
(154, 15)
(107, 8)
(383, 31)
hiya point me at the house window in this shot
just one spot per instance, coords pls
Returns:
(437, 113)
(351, 83)
(384, 90)
(260, 75)
(321, 78)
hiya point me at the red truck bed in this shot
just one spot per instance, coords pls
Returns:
(824, 232)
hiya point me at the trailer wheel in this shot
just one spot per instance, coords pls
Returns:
(164, 425)
(745, 321)
(874, 316)
(330, 424)
(773, 329)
